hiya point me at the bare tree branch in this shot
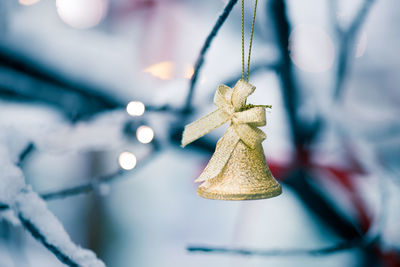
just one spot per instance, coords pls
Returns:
(23, 79)
(347, 40)
(325, 251)
(200, 60)
(333, 15)
(360, 17)
(90, 186)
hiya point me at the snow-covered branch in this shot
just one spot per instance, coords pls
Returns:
(48, 230)
(32, 212)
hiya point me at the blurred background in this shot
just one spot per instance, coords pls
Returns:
(94, 95)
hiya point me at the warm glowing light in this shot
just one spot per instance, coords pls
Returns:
(311, 49)
(162, 70)
(127, 160)
(135, 108)
(144, 134)
(28, 2)
(81, 14)
(189, 72)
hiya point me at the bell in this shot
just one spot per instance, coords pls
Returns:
(246, 176)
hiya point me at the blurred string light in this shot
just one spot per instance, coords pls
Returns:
(135, 108)
(162, 70)
(144, 134)
(127, 160)
(82, 14)
(28, 2)
(311, 48)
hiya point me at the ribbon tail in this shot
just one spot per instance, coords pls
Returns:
(225, 147)
(203, 126)
(250, 135)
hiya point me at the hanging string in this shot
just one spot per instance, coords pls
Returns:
(243, 40)
(251, 42)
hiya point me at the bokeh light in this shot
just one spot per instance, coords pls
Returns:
(311, 48)
(28, 2)
(144, 134)
(135, 108)
(81, 14)
(162, 70)
(127, 160)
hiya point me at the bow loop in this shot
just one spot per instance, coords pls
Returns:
(222, 97)
(240, 93)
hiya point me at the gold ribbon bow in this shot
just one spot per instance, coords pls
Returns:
(244, 121)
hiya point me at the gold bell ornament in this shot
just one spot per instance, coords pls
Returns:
(237, 169)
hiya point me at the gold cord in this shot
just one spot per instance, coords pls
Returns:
(243, 40)
(251, 41)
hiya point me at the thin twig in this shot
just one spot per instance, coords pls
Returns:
(333, 15)
(81, 189)
(22, 78)
(346, 46)
(19, 82)
(200, 60)
(325, 251)
(25, 153)
(360, 17)
(164, 108)
(75, 190)
(89, 186)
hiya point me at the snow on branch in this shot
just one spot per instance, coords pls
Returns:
(47, 229)
(32, 212)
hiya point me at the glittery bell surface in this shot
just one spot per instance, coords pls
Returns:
(246, 176)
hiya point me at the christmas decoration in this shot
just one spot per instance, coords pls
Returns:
(238, 169)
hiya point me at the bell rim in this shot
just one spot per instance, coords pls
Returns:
(270, 192)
